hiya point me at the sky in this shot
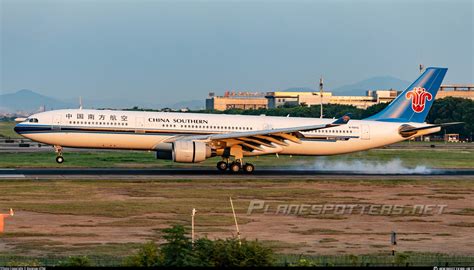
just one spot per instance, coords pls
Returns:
(171, 51)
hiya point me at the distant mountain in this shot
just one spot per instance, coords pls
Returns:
(91, 103)
(374, 83)
(300, 89)
(29, 101)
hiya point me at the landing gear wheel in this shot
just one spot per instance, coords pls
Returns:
(248, 168)
(59, 159)
(234, 167)
(222, 166)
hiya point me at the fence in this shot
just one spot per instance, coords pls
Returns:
(406, 259)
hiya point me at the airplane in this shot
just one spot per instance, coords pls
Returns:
(195, 137)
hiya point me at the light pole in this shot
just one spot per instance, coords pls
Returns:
(235, 220)
(321, 94)
(422, 67)
(192, 225)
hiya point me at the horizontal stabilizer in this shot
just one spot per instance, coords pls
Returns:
(432, 126)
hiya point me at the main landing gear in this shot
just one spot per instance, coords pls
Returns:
(59, 154)
(235, 166)
(238, 164)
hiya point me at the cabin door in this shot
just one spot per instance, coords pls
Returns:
(365, 132)
(56, 122)
(140, 125)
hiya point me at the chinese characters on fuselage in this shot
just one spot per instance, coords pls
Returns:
(99, 117)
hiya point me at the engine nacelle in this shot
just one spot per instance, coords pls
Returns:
(190, 151)
(164, 151)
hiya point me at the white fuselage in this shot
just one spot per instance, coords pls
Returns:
(111, 129)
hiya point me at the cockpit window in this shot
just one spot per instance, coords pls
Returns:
(33, 120)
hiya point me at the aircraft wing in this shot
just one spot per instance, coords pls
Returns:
(268, 138)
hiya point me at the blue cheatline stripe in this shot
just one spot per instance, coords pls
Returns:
(30, 129)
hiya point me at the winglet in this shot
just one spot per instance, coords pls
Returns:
(343, 120)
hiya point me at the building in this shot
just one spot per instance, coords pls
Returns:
(259, 100)
(456, 90)
(237, 100)
(280, 99)
(452, 137)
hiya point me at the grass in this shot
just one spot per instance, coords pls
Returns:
(6, 130)
(327, 240)
(465, 212)
(447, 158)
(463, 224)
(317, 231)
(142, 208)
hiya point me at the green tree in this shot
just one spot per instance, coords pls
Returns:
(374, 109)
(229, 253)
(203, 251)
(303, 262)
(401, 259)
(147, 256)
(451, 109)
(177, 251)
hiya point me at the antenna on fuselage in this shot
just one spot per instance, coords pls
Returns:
(80, 103)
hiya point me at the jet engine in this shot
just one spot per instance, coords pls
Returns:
(184, 151)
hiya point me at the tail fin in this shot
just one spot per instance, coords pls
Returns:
(415, 102)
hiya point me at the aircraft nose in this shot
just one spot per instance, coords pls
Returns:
(17, 128)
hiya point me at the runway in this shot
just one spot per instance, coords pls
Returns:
(211, 173)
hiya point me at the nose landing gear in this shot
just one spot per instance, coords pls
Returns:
(59, 154)
(59, 159)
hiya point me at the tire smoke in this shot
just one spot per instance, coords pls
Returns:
(394, 166)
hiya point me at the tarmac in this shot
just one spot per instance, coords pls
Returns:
(205, 173)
